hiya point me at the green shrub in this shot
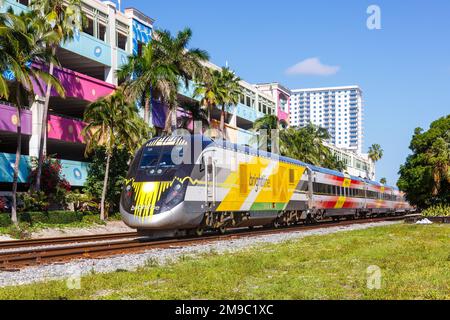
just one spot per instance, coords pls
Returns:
(33, 201)
(93, 219)
(439, 210)
(64, 217)
(5, 220)
(51, 217)
(21, 231)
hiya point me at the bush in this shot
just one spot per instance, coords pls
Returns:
(3, 204)
(437, 211)
(5, 220)
(33, 201)
(51, 217)
(117, 173)
(53, 182)
(81, 202)
(93, 219)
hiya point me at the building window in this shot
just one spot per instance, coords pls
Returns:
(121, 41)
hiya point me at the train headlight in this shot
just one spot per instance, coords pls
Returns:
(148, 187)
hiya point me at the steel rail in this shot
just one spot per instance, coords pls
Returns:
(13, 261)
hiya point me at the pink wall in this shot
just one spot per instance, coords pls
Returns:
(282, 115)
(65, 129)
(80, 86)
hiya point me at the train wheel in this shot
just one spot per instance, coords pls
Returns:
(199, 232)
(276, 224)
(222, 230)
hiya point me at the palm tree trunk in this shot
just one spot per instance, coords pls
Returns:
(168, 123)
(103, 214)
(146, 110)
(16, 166)
(174, 120)
(222, 119)
(43, 135)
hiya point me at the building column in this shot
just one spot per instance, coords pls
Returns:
(37, 109)
(110, 73)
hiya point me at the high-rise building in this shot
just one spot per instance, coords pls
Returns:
(338, 109)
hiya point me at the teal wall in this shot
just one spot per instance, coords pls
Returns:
(74, 171)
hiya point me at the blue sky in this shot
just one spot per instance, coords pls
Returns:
(403, 69)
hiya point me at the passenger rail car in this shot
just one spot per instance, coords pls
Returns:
(195, 183)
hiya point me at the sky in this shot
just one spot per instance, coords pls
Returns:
(402, 68)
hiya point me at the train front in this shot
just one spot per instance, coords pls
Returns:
(153, 195)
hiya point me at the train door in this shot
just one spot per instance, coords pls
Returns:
(210, 181)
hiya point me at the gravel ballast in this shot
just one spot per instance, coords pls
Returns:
(133, 261)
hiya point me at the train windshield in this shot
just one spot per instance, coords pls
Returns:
(160, 156)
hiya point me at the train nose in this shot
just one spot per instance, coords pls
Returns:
(161, 221)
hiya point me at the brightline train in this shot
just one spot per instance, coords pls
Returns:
(189, 184)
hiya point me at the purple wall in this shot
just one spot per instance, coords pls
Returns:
(8, 119)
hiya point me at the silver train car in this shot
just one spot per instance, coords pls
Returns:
(191, 184)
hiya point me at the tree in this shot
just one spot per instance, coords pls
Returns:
(63, 18)
(306, 144)
(196, 114)
(22, 40)
(185, 63)
(113, 122)
(117, 172)
(383, 180)
(231, 91)
(375, 152)
(209, 91)
(268, 123)
(425, 176)
(146, 78)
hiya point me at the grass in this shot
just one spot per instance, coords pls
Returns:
(414, 262)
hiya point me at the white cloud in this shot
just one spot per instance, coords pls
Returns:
(312, 66)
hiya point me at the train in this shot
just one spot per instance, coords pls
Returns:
(191, 184)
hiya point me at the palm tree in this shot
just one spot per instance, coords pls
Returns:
(231, 92)
(186, 63)
(306, 144)
(63, 18)
(209, 91)
(438, 158)
(375, 152)
(23, 42)
(268, 123)
(197, 114)
(113, 122)
(383, 180)
(146, 78)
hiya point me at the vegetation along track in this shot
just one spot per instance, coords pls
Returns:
(12, 261)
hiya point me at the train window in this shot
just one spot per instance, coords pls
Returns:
(291, 176)
(243, 178)
(150, 157)
(167, 157)
(303, 186)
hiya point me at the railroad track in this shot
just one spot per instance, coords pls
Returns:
(13, 261)
(16, 244)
